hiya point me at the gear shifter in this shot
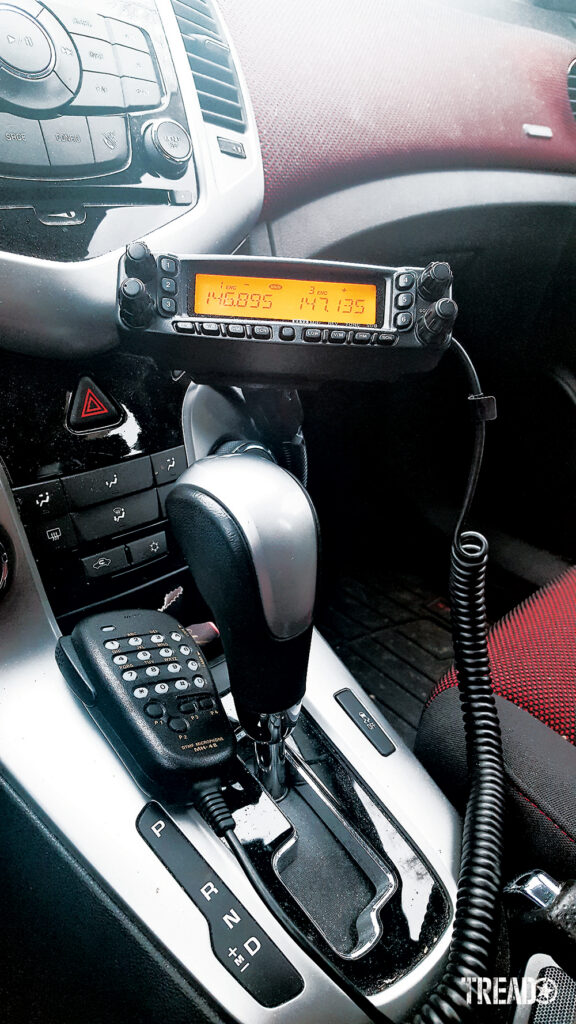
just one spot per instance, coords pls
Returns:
(249, 533)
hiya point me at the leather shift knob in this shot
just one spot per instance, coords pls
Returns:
(249, 533)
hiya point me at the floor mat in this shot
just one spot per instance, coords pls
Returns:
(394, 636)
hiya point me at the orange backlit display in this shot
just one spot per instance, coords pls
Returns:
(276, 298)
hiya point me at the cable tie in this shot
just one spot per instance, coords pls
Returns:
(483, 408)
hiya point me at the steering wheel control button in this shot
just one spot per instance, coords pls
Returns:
(147, 548)
(154, 709)
(40, 501)
(404, 300)
(403, 321)
(68, 143)
(126, 35)
(98, 485)
(246, 951)
(106, 562)
(168, 465)
(178, 724)
(25, 48)
(109, 141)
(22, 148)
(365, 722)
(90, 408)
(405, 281)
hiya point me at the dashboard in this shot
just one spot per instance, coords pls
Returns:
(218, 129)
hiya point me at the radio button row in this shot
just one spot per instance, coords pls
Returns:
(100, 92)
(403, 321)
(404, 281)
(126, 35)
(141, 95)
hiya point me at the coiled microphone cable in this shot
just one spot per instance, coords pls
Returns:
(473, 938)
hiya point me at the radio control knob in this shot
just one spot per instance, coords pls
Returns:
(139, 261)
(136, 305)
(434, 280)
(434, 327)
(168, 147)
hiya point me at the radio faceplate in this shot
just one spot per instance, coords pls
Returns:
(257, 319)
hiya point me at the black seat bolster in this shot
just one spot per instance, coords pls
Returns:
(540, 774)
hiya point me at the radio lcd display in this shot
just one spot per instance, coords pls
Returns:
(277, 298)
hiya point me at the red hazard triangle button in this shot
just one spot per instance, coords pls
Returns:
(91, 409)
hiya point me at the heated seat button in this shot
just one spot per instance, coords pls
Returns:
(168, 465)
(117, 516)
(101, 485)
(147, 548)
(109, 141)
(105, 562)
(22, 145)
(40, 501)
(91, 409)
(68, 143)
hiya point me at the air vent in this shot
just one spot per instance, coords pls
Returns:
(572, 88)
(211, 63)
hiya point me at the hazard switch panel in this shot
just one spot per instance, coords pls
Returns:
(90, 409)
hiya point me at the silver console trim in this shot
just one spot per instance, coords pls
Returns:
(76, 302)
(72, 778)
